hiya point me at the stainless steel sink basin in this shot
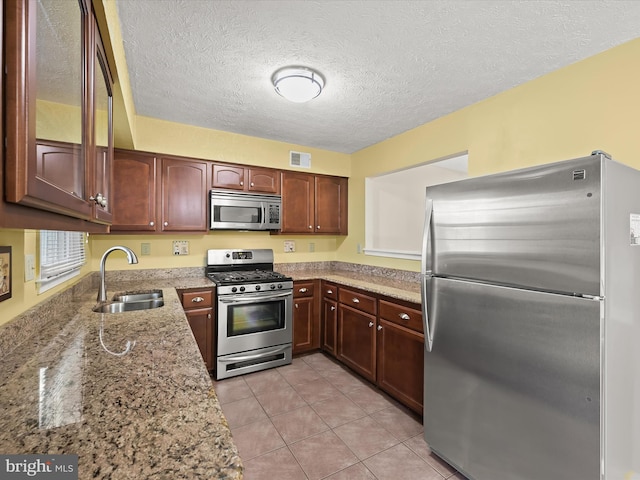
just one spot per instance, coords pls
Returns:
(129, 306)
(138, 296)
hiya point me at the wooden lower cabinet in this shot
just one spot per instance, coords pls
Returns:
(400, 363)
(329, 317)
(357, 341)
(400, 359)
(198, 307)
(306, 321)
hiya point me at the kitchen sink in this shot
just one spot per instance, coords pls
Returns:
(138, 296)
(129, 306)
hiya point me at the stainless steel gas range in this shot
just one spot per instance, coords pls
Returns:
(254, 313)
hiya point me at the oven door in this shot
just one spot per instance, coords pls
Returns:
(253, 321)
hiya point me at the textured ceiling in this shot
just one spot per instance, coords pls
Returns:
(389, 65)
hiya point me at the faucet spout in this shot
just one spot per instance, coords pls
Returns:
(131, 258)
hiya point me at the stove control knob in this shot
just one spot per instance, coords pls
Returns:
(234, 289)
(272, 286)
(242, 289)
(279, 285)
(257, 287)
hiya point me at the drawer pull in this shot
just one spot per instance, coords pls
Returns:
(303, 290)
(197, 299)
(329, 292)
(404, 316)
(370, 324)
(355, 300)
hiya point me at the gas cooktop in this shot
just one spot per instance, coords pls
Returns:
(248, 276)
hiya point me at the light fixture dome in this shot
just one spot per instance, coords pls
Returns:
(298, 84)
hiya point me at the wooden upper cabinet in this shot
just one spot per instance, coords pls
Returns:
(264, 180)
(134, 192)
(47, 107)
(246, 179)
(298, 200)
(159, 194)
(228, 176)
(331, 205)
(314, 204)
(183, 195)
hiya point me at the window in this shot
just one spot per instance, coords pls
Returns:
(61, 257)
(394, 206)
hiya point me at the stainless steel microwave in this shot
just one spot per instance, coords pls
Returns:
(244, 211)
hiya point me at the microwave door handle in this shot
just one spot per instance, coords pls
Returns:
(264, 214)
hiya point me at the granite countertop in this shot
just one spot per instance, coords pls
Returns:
(392, 283)
(128, 392)
(73, 388)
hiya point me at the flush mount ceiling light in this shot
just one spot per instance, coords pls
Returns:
(298, 84)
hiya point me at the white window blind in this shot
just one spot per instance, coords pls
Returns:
(61, 257)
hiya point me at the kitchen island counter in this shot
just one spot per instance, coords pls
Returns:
(126, 392)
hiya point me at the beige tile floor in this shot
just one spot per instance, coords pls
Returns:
(314, 419)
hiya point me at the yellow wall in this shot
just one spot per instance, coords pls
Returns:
(58, 121)
(590, 105)
(24, 295)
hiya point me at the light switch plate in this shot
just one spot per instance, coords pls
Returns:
(180, 247)
(29, 268)
(289, 246)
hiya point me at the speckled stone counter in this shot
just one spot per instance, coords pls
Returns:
(127, 392)
(399, 284)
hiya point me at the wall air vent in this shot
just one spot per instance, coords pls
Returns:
(300, 159)
(579, 174)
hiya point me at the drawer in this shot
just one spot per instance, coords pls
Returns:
(197, 299)
(330, 290)
(401, 315)
(357, 300)
(303, 289)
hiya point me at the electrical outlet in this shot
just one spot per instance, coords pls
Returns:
(312, 247)
(29, 268)
(180, 247)
(289, 246)
(359, 248)
(145, 248)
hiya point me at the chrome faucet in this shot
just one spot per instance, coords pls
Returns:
(131, 257)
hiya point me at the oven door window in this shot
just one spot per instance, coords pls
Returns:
(237, 214)
(255, 317)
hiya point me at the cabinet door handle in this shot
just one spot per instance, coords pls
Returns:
(197, 299)
(253, 184)
(208, 316)
(404, 316)
(303, 290)
(318, 227)
(310, 227)
(166, 224)
(370, 324)
(379, 327)
(332, 308)
(151, 224)
(241, 183)
(355, 300)
(297, 306)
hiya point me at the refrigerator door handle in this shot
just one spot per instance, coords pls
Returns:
(425, 235)
(428, 331)
(428, 344)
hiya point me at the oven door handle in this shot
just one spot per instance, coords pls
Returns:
(244, 299)
(244, 358)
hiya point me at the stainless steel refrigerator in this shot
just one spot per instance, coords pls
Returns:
(531, 305)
